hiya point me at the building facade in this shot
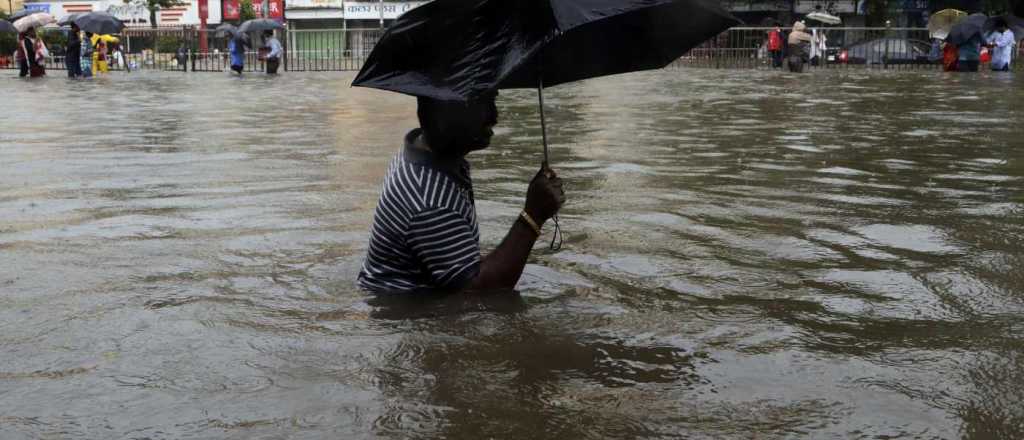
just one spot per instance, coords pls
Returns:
(133, 13)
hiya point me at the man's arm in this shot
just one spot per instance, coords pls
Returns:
(502, 268)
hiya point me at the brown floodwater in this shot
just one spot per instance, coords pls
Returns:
(748, 254)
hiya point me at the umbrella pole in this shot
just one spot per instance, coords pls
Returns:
(543, 124)
(556, 239)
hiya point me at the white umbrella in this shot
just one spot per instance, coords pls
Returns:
(38, 19)
(824, 18)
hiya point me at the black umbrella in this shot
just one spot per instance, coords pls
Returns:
(458, 50)
(67, 20)
(259, 25)
(99, 23)
(7, 28)
(973, 25)
(226, 29)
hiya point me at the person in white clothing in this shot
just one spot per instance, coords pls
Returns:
(1001, 41)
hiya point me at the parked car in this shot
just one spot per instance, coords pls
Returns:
(886, 50)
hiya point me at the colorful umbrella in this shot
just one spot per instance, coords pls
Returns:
(38, 19)
(940, 23)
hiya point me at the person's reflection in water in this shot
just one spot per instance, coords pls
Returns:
(425, 235)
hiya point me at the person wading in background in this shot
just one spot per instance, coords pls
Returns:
(775, 46)
(799, 42)
(1001, 41)
(274, 52)
(73, 53)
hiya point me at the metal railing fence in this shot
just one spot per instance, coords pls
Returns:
(850, 47)
(347, 50)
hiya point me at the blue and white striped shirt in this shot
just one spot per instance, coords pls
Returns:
(425, 234)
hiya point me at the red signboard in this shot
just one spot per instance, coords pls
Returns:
(276, 8)
(231, 9)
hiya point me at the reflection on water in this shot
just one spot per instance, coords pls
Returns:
(837, 254)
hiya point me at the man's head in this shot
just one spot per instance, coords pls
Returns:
(268, 34)
(453, 128)
(74, 28)
(1001, 25)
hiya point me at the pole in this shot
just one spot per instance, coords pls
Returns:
(543, 124)
(382, 14)
(556, 239)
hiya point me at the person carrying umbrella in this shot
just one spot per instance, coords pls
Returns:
(454, 56)
(73, 53)
(236, 47)
(34, 52)
(274, 51)
(21, 53)
(425, 234)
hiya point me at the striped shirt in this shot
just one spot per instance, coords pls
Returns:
(424, 235)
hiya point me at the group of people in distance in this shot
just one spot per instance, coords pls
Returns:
(270, 53)
(83, 57)
(966, 57)
(800, 45)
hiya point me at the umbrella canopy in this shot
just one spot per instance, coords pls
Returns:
(259, 25)
(67, 19)
(38, 19)
(105, 38)
(7, 28)
(458, 50)
(940, 23)
(99, 23)
(226, 29)
(824, 18)
(964, 30)
(22, 13)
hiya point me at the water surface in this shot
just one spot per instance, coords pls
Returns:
(748, 254)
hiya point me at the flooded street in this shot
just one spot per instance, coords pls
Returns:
(748, 254)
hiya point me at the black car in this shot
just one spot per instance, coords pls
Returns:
(886, 50)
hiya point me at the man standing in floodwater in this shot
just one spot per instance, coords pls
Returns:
(275, 52)
(969, 54)
(1002, 41)
(425, 236)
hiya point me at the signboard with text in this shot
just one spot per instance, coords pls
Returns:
(38, 7)
(315, 4)
(232, 9)
(276, 8)
(372, 10)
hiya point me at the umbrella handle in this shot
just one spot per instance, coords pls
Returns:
(543, 123)
(556, 239)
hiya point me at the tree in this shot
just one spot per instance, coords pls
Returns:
(156, 5)
(246, 11)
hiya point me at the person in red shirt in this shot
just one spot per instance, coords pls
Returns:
(950, 57)
(775, 46)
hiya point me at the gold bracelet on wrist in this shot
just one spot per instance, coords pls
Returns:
(529, 221)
